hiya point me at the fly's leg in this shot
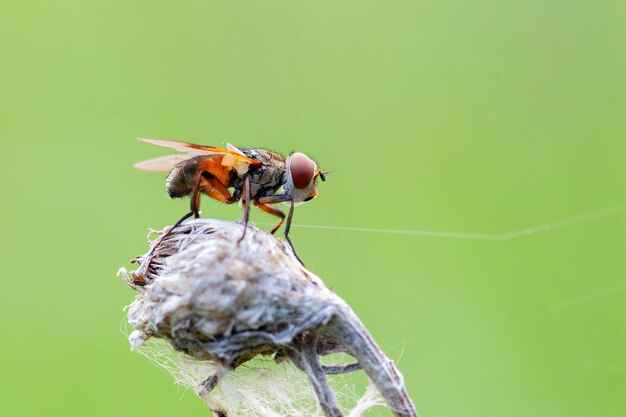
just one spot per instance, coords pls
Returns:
(178, 223)
(194, 205)
(207, 183)
(263, 202)
(216, 190)
(273, 211)
(281, 198)
(287, 227)
(246, 206)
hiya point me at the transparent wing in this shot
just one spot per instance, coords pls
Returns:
(164, 163)
(201, 149)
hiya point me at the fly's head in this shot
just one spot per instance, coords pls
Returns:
(302, 174)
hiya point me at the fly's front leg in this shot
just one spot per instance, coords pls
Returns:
(246, 206)
(287, 227)
(274, 199)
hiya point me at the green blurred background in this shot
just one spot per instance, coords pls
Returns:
(481, 116)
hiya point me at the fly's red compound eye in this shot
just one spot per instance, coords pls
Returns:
(302, 170)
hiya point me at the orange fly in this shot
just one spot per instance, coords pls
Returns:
(256, 176)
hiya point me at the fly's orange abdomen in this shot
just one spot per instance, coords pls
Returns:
(213, 165)
(182, 177)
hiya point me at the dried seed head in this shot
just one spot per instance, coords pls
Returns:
(223, 303)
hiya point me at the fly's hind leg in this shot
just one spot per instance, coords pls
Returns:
(203, 182)
(218, 191)
(194, 206)
(214, 189)
(246, 206)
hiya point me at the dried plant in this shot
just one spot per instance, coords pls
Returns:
(222, 303)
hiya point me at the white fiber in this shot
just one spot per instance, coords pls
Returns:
(260, 388)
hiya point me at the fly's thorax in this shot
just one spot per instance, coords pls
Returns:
(265, 179)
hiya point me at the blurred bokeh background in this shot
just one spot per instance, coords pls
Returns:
(470, 117)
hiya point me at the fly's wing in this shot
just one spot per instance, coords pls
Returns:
(233, 157)
(201, 149)
(163, 163)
